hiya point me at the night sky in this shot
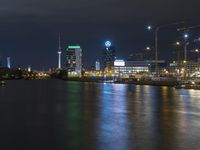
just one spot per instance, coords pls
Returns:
(29, 28)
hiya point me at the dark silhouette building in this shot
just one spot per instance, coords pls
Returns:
(109, 56)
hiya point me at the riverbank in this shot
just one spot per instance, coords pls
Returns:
(169, 83)
(140, 82)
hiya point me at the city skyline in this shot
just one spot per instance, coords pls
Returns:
(29, 29)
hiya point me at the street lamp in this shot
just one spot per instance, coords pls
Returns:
(156, 41)
(148, 48)
(186, 35)
(198, 54)
(156, 47)
(178, 55)
(149, 27)
(178, 43)
(185, 46)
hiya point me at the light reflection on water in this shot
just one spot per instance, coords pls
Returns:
(112, 124)
(71, 115)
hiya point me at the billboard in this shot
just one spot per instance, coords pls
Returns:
(119, 63)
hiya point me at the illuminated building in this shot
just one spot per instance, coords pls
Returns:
(8, 62)
(74, 61)
(185, 69)
(109, 56)
(97, 65)
(29, 68)
(126, 69)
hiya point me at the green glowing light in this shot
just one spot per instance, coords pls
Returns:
(74, 47)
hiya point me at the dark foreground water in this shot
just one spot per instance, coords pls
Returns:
(59, 115)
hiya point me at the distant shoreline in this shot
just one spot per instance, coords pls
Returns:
(151, 83)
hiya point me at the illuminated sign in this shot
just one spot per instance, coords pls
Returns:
(119, 63)
(74, 47)
(108, 44)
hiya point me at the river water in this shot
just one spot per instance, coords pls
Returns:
(61, 115)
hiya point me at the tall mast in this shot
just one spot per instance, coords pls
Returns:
(59, 52)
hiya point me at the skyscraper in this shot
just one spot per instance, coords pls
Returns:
(59, 53)
(74, 61)
(8, 62)
(97, 65)
(109, 56)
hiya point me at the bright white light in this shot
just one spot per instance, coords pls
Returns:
(149, 27)
(178, 43)
(108, 44)
(148, 48)
(29, 68)
(186, 36)
(119, 63)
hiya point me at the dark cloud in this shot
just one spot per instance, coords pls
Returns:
(29, 28)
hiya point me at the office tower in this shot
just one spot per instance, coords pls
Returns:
(109, 56)
(74, 61)
(8, 62)
(29, 68)
(97, 65)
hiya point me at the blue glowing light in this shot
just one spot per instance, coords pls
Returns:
(108, 44)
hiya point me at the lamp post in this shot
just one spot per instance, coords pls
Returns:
(156, 50)
(178, 44)
(156, 42)
(185, 46)
(198, 56)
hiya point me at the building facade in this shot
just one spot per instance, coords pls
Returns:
(74, 61)
(109, 56)
(184, 69)
(97, 65)
(126, 69)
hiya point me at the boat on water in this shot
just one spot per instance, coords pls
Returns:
(2, 83)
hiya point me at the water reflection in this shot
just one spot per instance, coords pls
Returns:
(113, 124)
(71, 115)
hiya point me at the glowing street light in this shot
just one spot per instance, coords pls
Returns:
(178, 43)
(186, 35)
(156, 41)
(149, 27)
(178, 54)
(185, 46)
(148, 48)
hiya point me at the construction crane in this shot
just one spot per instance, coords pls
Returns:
(185, 30)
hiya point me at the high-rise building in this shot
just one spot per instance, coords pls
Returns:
(109, 56)
(74, 61)
(29, 68)
(8, 62)
(97, 65)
